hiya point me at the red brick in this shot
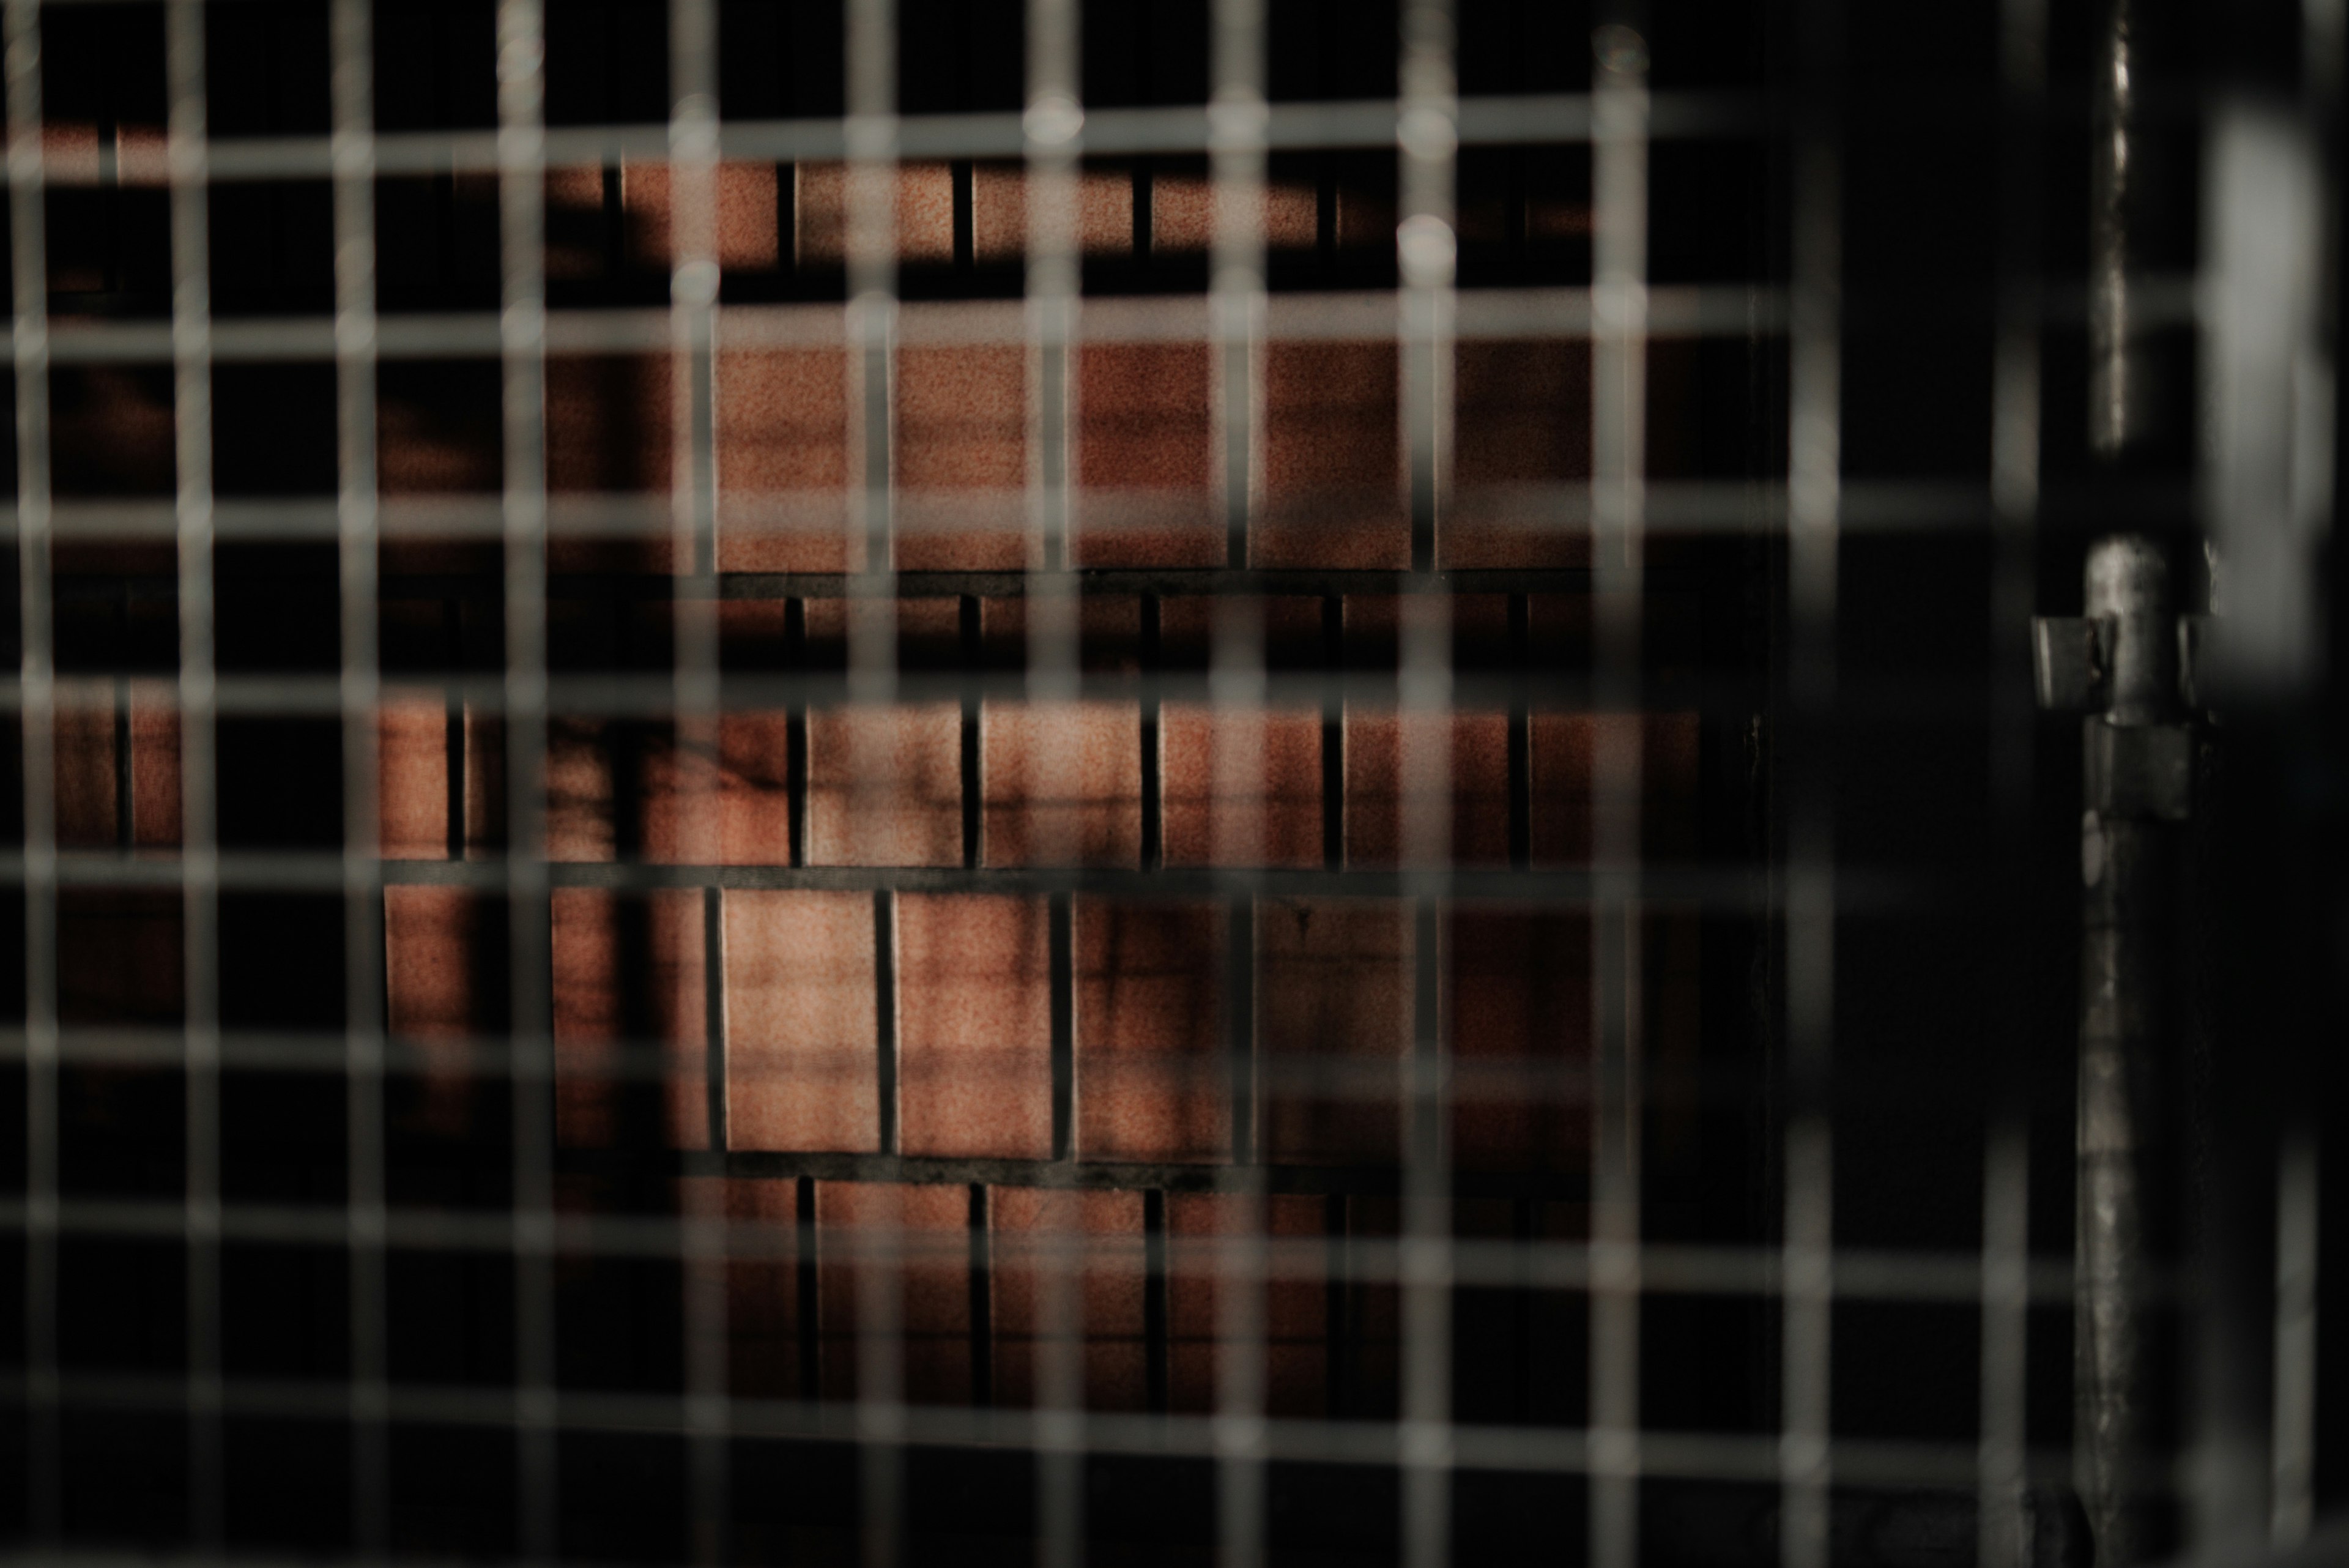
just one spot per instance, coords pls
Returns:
(87, 809)
(627, 983)
(744, 232)
(1103, 219)
(1100, 1235)
(154, 765)
(485, 780)
(412, 779)
(752, 635)
(1062, 784)
(1522, 430)
(884, 785)
(930, 1228)
(583, 797)
(1145, 456)
(446, 988)
(1473, 635)
(624, 789)
(1183, 214)
(1109, 633)
(1295, 1303)
(1563, 792)
(974, 1026)
(1151, 1080)
(929, 633)
(802, 1023)
(782, 461)
(961, 434)
(1518, 998)
(1290, 626)
(1333, 478)
(754, 806)
(1366, 209)
(1334, 998)
(925, 213)
(762, 1287)
(1240, 787)
(574, 221)
(1477, 800)
(608, 433)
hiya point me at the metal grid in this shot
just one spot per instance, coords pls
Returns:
(1804, 1270)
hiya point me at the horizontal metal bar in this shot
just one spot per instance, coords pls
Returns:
(651, 697)
(1732, 1457)
(1558, 118)
(1555, 118)
(1555, 1082)
(1535, 1264)
(1488, 314)
(1483, 314)
(1563, 510)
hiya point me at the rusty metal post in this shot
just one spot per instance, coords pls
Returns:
(2122, 663)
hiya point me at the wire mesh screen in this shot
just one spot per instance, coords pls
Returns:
(1236, 781)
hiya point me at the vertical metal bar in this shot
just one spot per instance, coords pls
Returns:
(1427, 132)
(2268, 487)
(1237, 121)
(1053, 123)
(872, 137)
(1618, 442)
(522, 165)
(29, 336)
(2270, 268)
(693, 306)
(351, 28)
(1813, 505)
(2112, 412)
(200, 856)
(2125, 861)
(1238, 118)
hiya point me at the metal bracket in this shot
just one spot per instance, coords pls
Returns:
(2071, 662)
(2068, 658)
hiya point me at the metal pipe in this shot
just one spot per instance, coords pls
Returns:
(2123, 863)
(2112, 403)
